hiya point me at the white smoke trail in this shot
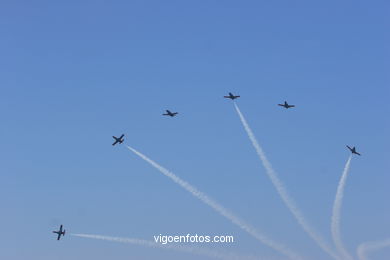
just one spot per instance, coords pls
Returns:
(187, 249)
(364, 248)
(336, 216)
(288, 201)
(219, 208)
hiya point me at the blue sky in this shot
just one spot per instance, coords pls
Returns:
(75, 73)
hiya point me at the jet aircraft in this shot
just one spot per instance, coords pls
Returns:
(353, 150)
(169, 113)
(118, 139)
(231, 96)
(286, 105)
(60, 233)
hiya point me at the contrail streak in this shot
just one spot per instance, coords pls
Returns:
(219, 208)
(288, 201)
(336, 216)
(364, 248)
(187, 249)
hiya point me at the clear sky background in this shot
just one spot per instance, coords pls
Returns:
(74, 73)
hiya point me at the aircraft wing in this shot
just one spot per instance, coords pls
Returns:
(349, 148)
(115, 142)
(291, 105)
(281, 105)
(59, 236)
(357, 153)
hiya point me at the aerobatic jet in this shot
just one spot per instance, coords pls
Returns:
(231, 96)
(60, 233)
(353, 150)
(118, 139)
(286, 105)
(169, 113)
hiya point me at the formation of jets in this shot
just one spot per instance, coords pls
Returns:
(59, 233)
(120, 140)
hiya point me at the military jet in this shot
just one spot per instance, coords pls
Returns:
(286, 105)
(118, 139)
(169, 113)
(353, 150)
(60, 233)
(231, 96)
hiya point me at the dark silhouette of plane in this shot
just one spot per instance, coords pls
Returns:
(353, 150)
(231, 96)
(286, 105)
(118, 139)
(169, 113)
(60, 233)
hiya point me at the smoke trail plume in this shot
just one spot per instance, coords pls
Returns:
(364, 248)
(187, 249)
(336, 216)
(219, 208)
(288, 201)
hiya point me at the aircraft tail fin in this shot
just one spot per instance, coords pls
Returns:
(64, 232)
